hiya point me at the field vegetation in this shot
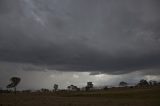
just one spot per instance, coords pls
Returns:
(146, 96)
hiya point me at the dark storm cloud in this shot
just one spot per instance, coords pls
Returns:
(81, 35)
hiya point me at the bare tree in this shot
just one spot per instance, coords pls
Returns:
(14, 82)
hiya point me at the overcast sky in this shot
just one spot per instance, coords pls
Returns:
(75, 41)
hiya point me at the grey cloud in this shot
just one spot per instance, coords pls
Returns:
(112, 37)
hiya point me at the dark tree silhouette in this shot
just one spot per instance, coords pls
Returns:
(89, 86)
(153, 83)
(143, 83)
(73, 88)
(14, 82)
(55, 87)
(44, 90)
(105, 88)
(123, 84)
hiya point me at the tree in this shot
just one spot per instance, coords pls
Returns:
(123, 84)
(89, 86)
(153, 83)
(73, 88)
(143, 83)
(105, 88)
(44, 90)
(55, 87)
(14, 82)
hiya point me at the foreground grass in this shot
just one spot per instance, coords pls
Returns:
(119, 97)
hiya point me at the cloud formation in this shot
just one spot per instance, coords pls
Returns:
(110, 36)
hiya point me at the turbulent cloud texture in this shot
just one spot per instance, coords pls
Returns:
(105, 36)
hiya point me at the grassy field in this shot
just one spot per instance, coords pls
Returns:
(112, 97)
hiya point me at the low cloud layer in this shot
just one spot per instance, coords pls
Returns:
(113, 37)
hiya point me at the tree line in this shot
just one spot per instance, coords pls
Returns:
(14, 81)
